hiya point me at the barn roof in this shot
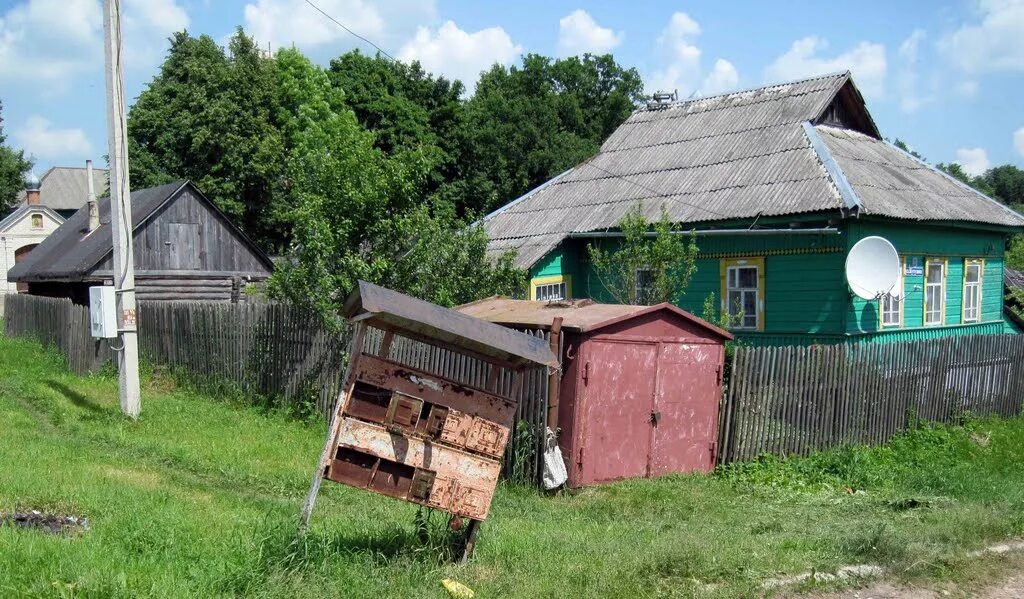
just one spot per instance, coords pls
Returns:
(67, 187)
(577, 315)
(760, 152)
(70, 252)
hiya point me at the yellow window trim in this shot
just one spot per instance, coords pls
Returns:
(757, 261)
(538, 281)
(924, 289)
(903, 300)
(963, 290)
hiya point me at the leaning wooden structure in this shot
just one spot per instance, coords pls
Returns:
(417, 436)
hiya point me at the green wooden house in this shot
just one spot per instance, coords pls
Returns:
(778, 182)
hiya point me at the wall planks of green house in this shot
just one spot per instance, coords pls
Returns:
(806, 298)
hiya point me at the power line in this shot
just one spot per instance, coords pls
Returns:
(656, 193)
(340, 24)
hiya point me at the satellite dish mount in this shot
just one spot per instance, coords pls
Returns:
(873, 268)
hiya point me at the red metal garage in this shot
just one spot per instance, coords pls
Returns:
(640, 385)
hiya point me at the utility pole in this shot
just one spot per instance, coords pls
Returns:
(121, 214)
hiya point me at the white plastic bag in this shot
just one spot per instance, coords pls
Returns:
(554, 466)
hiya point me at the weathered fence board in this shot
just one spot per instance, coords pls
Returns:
(796, 400)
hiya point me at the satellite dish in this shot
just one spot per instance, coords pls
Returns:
(872, 268)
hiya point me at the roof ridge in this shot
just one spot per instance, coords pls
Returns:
(677, 103)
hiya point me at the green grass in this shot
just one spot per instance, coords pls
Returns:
(200, 498)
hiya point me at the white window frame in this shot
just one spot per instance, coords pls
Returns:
(973, 290)
(643, 291)
(732, 285)
(550, 292)
(890, 307)
(935, 316)
(36, 218)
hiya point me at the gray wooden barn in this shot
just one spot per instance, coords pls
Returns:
(185, 249)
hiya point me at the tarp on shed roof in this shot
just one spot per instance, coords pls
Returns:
(579, 315)
(389, 309)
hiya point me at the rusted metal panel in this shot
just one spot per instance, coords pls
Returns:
(419, 453)
(371, 457)
(617, 388)
(640, 397)
(434, 324)
(686, 431)
(434, 389)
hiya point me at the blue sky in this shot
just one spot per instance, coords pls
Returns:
(947, 77)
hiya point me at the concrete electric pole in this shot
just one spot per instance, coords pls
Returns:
(121, 214)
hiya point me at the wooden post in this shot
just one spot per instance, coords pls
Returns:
(471, 532)
(555, 376)
(355, 350)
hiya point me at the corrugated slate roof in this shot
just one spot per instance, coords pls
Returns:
(67, 188)
(722, 157)
(1013, 278)
(735, 156)
(890, 182)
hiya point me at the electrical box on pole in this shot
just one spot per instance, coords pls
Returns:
(102, 312)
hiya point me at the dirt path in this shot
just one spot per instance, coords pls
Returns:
(1011, 587)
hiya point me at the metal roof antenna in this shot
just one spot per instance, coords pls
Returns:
(661, 99)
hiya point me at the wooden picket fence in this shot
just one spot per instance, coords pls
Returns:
(276, 354)
(796, 400)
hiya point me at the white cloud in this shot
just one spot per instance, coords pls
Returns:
(147, 24)
(908, 50)
(41, 140)
(388, 23)
(1018, 141)
(722, 78)
(50, 42)
(995, 43)
(968, 88)
(579, 33)
(459, 54)
(908, 81)
(287, 22)
(866, 60)
(47, 41)
(974, 160)
(681, 62)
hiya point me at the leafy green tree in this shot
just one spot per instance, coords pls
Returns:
(1007, 184)
(357, 212)
(646, 268)
(13, 167)
(207, 117)
(526, 124)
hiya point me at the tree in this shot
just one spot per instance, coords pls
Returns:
(357, 212)
(1007, 184)
(645, 268)
(207, 117)
(13, 167)
(524, 125)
